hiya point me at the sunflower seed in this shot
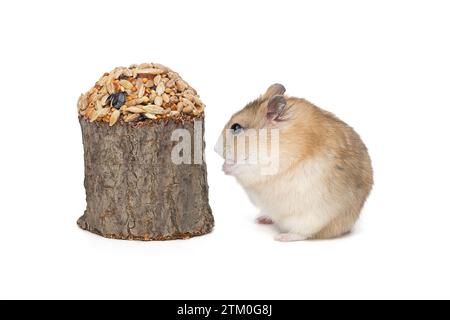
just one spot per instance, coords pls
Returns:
(117, 100)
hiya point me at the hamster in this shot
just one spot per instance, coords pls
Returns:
(323, 170)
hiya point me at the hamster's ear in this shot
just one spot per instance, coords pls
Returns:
(274, 90)
(275, 107)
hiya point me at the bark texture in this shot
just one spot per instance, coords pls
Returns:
(134, 191)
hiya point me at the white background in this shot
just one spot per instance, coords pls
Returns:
(382, 66)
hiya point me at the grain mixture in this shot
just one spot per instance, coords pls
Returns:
(146, 92)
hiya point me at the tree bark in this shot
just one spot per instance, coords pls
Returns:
(133, 189)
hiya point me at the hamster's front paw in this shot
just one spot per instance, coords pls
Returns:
(264, 220)
(289, 237)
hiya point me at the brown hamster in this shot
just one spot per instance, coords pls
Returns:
(323, 173)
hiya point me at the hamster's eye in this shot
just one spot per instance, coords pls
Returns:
(237, 128)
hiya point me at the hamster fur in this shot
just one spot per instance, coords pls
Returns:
(325, 173)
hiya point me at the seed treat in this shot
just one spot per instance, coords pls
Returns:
(140, 93)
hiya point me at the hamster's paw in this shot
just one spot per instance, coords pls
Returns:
(289, 237)
(264, 220)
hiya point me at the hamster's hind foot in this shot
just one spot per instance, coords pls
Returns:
(264, 220)
(289, 237)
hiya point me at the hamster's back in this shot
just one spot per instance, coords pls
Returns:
(350, 174)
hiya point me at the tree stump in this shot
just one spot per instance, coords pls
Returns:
(134, 191)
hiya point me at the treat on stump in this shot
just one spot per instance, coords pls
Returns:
(135, 188)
